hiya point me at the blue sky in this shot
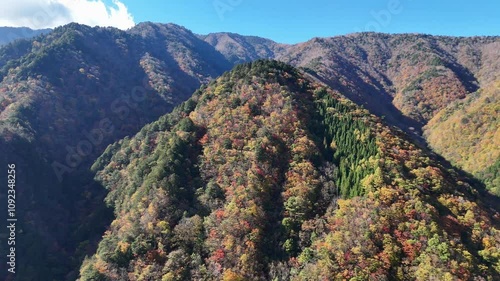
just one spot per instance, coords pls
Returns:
(289, 21)
(298, 20)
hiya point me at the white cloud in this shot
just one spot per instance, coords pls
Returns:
(51, 13)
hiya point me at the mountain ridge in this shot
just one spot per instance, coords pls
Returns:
(10, 34)
(65, 97)
(76, 77)
(279, 169)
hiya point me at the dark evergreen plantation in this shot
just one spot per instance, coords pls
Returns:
(266, 172)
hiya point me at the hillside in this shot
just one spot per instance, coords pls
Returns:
(467, 132)
(265, 174)
(417, 74)
(66, 95)
(63, 98)
(408, 79)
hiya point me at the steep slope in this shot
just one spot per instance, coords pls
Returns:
(418, 74)
(408, 79)
(63, 98)
(265, 174)
(66, 95)
(411, 79)
(468, 133)
(11, 34)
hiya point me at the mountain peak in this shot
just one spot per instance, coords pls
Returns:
(149, 28)
(265, 168)
(273, 170)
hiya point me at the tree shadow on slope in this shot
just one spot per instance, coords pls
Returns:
(372, 96)
(58, 223)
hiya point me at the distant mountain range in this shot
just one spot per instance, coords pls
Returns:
(67, 95)
(10, 34)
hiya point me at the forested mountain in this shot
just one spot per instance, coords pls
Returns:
(467, 132)
(411, 79)
(408, 79)
(238, 49)
(10, 34)
(265, 174)
(65, 96)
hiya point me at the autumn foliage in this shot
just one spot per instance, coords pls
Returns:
(266, 175)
